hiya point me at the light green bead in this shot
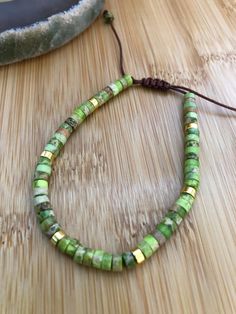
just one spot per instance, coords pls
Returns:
(153, 243)
(128, 79)
(79, 254)
(61, 138)
(145, 248)
(40, 184)
(40, 199)
(88, 257)
(44, 168)
(189, 95)
(40, 191)
(97, 258)
(184, 203)
(106, 261)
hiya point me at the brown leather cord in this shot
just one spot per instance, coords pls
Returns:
(155, 83)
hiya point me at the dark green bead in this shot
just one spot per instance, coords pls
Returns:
(128, 260)
(191, 182)
(42, 215)
(108, 17)
(66, 126)
(181, 211)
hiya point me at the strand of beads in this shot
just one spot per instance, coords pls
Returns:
(98, 258)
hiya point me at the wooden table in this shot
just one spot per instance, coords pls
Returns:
(123, 169)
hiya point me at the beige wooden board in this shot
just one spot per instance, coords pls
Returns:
(123, 168)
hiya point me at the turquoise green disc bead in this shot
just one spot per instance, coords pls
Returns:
(173, 215)
(117, 263)
(47, 223)
(189, 95)
(63, 244)
(44, 168)
(145, 248)
(42, 215)
(152, 242)
(189, 103)
(88, 257)
(128, 260)
(79, 254)
(72, 247)
(106, 261)
(97, 258)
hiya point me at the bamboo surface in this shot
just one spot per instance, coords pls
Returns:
(123, 168)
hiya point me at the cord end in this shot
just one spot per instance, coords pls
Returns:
(108, 17)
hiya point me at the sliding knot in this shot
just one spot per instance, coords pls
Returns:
(154, 83)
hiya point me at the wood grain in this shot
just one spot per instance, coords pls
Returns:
(123, 169)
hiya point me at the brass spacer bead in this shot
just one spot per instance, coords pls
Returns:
(48, 155)
(139, 257)
(189, 190)
(94, 102)
(57, 237)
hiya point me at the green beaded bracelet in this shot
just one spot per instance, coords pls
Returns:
(100, 259)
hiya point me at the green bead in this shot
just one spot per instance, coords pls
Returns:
(192, 183)
(119, 85)
(42, 215)
(97, 258)
(189, 104)
(192, 150)
(191, 114)
(184, 203)
(145, 248)
(189, 95)
(85, 109)
(72, 247)
(173, 215)
(193, 131)
(79, 254)
(40, 199)
(105, 96)
(192, 137)
(40, 191)
(117, 264)
(40, 184)
(114, 88)
(88, 257)
(45, 161)
(152, 242)
(191, 162)
(44, 168)
(47, 223)
(66, 126)
(165, 230)
(60, 137)
(63, 243)
(128, 260)
(181, 211)
(128, 79)
(106, 261)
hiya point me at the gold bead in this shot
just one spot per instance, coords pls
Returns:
(138, 256)
(57, 237)
(189, 190)
(191, 126)
(48, 155)
(94, 102)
